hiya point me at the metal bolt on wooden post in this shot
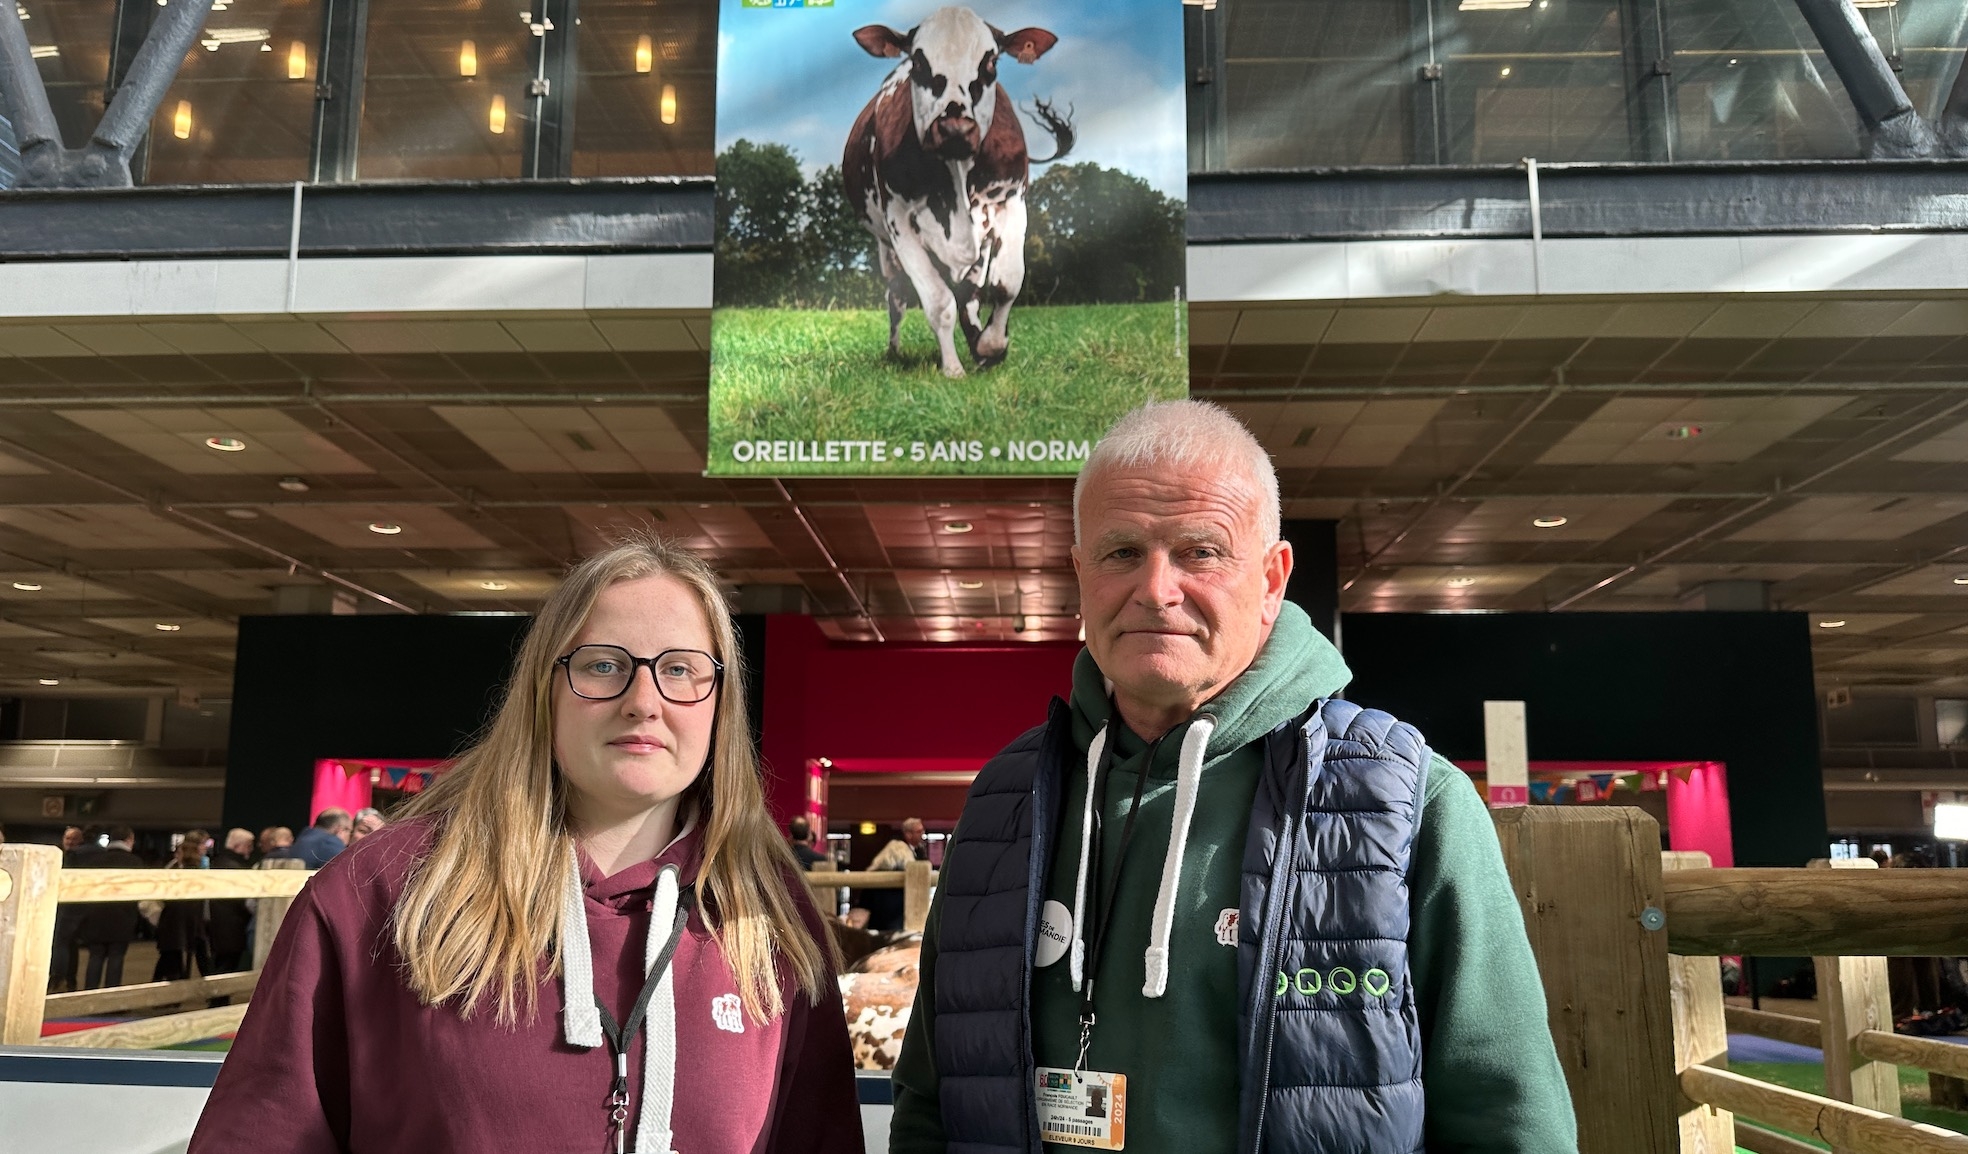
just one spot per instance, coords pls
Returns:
(1588, 881)
(916, 880)
(30, 876)
(1701, 1036)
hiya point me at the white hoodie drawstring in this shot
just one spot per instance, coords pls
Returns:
(581, 1019)
(1188, 775)
(1078, 961)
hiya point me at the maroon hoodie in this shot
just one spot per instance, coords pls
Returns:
(336, 1053)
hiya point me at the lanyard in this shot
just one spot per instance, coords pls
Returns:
(621, 1037)
(1100, 918)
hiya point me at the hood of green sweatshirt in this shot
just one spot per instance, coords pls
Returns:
(1295, 667)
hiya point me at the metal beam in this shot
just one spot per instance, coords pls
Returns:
(1893, 128)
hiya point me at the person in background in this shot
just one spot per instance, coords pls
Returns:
(603, 851)
(276, 841)
(328, 836)
(182, 939)
(227, 919)
(108, 928)
(65, 959)
(885, 906)
(368, 820)
(800, 832)
(912, 833)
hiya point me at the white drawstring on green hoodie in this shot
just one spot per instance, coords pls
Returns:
(1188, 776)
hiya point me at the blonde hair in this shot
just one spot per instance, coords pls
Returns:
(893, 856)
(482, 908)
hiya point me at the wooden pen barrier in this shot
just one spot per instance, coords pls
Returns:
(917, 881)
(1627, 942)
(33, 883)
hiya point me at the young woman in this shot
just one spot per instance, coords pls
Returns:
(586, 937)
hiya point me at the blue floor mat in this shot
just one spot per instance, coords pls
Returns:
(1750, 1048)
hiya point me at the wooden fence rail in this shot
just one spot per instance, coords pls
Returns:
(1810, 913)
(1776, 1027)
(1846, 1127)
(33, 883)
(916, 881)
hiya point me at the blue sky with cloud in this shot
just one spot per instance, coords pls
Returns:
(795, 76)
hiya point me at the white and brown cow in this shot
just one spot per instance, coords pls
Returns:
(936, 164)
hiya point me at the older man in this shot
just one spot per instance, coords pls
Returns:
(1208, 905)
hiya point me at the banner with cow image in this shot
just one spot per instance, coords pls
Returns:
(950, 239)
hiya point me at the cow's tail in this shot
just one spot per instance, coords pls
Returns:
(1058, 125)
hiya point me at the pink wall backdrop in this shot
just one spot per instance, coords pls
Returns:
(333, 786)
(1698, 813)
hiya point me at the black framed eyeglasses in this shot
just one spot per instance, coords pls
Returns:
(604, 673)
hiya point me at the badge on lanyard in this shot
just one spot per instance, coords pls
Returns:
(1083, 1108)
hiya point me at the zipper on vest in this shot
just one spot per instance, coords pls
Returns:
(1280, 919)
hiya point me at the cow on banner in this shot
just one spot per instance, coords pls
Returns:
(936, 165)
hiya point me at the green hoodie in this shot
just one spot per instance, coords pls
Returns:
(1490, 1073)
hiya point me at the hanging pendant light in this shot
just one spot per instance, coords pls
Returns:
(667, 109)
(468, 59)
(645, 54)
(297, 61)
(498, 121)
(181, 122)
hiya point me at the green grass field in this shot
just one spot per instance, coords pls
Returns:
(785, 375)
(1809, 1077)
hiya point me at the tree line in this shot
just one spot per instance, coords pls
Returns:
(1094, 235)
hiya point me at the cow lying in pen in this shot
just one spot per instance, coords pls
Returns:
(936, 165)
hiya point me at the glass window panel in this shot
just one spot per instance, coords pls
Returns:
(242, 108)
(1316, 84)
(1750, 83)
(446, 94)
(70, 40)
(646, 93)
(1546, 80)
(1926, 37)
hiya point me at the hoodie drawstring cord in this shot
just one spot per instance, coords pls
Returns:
(1188, 775)
(1078, 959)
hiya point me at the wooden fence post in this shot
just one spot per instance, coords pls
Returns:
(1588, 880)
(1854, 996)
(915, 896)
(30, 878)
(268, 913)
(1701, 1038)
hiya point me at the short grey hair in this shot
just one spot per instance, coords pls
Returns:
(1185, 434)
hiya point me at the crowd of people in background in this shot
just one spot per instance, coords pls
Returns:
(194, 938)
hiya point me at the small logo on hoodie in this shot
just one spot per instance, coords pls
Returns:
(1226, 928)
(728, 1014)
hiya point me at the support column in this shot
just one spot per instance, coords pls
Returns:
(341, 67)
(1893, 128)
(1314, 583)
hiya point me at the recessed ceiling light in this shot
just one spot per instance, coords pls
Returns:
(386, 528)
(970, 584)
(494, 586)
(1034, 571)
(1683, 432)
(1549, 522)
(956, 526)
(166, 627)
(1959, 579)
(28, 586)
(1831, 625)
(225, 444)
(242, 514)
(50, 680)
(1461, 582)
(293, 484)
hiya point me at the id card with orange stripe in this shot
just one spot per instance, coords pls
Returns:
(1083, 1108)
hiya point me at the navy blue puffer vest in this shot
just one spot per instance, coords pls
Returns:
(1331, 1040)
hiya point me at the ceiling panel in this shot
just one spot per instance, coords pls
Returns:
(1586, 518)
(105, 527)
(275, 443)
(1337, 434)
(1852, 518)
(557, 439)
(1670, 430)
(347, 526)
